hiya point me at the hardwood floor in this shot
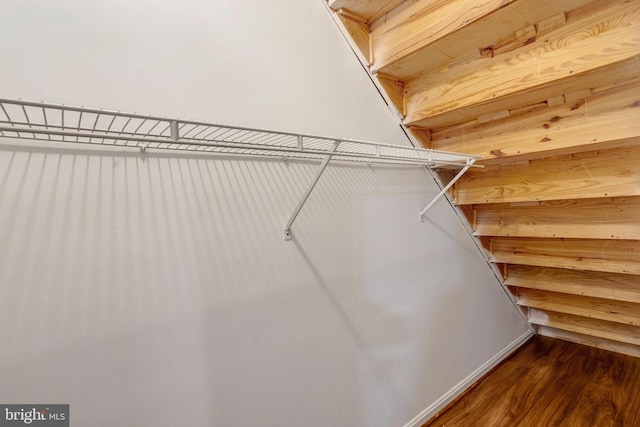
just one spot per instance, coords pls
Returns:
(551, 382)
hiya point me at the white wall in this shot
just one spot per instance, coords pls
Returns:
(277, 64)
(156, 289)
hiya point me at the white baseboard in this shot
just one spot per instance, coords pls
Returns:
(448, 397)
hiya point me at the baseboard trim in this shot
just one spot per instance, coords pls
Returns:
(448, 397)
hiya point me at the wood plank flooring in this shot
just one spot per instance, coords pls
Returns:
(550, 382)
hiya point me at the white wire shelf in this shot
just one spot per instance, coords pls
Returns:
(57, 123)
(63, 123)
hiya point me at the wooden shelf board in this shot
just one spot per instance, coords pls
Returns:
(614, 256)
(579, 49)
(446, 37)
(417, 25)
(596, 308)
(618, 347)
(587, 124)
(607, 218)
(604, 285)
(604, 173)
(587, 326)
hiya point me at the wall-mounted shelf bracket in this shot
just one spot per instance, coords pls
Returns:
(466, 167)
(312, 185)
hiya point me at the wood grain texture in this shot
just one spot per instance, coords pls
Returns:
(596, 308)
(614, 256)
(509, 21)
(416, 24)
(605, 116)
(549, 94)
(587, 326)
(608, 218)
(611, 74)
(603, 38)
(552, 383)
(605, 173)
(621, 287)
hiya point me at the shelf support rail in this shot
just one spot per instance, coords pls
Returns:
(63, 123)
(446, 188)
(312, 185)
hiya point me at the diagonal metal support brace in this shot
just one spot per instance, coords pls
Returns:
(323, 166)
(470, 163)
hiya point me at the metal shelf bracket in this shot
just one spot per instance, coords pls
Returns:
(466, 167)
(312, 185)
